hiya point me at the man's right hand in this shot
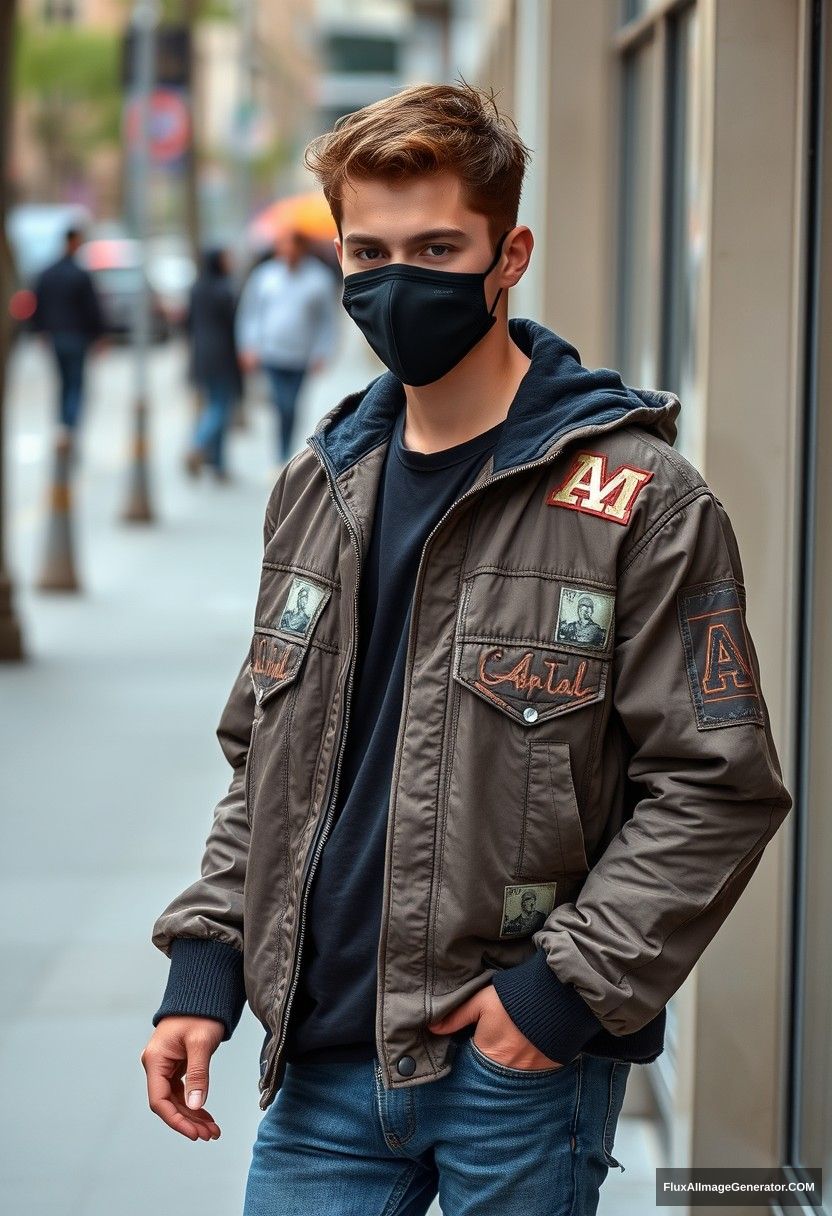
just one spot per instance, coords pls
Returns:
(248, 361)
(176, 1060)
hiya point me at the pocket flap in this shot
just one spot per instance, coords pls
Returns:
(530, 684)
(534, 644)
(281, 641)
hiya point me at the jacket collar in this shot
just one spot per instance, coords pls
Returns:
(556, 396)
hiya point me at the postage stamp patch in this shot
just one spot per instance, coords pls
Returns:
(525, 908)
(585, 617)
(301, 606)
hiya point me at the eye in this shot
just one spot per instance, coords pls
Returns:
(367, 255)
(437, 251)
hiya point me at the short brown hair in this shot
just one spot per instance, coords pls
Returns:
(423, 129)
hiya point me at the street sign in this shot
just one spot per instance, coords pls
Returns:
(170, 124)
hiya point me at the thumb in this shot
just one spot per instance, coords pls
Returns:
(463, 1015)
(196, 1075)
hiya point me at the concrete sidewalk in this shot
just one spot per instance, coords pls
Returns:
(113, 771)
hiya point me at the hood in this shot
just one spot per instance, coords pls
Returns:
(557, 395)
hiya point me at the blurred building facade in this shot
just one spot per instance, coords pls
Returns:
(681, 197)
(266, 78)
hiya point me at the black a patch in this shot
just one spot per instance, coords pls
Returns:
(722, 683)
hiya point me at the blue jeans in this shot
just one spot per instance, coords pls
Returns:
(286, 383)
(489, 1140)
(70, 355)
(213, 421)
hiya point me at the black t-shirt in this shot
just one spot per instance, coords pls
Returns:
(333, 1016)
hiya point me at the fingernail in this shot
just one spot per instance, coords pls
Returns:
(195, 1099)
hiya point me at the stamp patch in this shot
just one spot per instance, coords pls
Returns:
(722, 684)
(584, 617)
(525, 908)
(301, 606)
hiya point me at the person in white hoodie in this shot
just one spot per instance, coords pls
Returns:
(286, 324)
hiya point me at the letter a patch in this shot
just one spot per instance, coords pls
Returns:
(588, 489)
(717, 655)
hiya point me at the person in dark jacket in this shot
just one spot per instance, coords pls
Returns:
(68, 312)
(214, 366)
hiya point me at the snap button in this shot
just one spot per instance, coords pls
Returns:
(530, 713)
(406, 1066)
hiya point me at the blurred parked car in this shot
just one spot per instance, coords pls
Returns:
(171, 270)
(36, 234)
(116, 267)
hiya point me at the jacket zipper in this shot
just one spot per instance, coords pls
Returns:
(314, 853)
(251, 743)
(323, 830)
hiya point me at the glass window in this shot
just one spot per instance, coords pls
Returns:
(685, 230)
(662, 231)
(361, 53)
(638, 285)
(630, 9)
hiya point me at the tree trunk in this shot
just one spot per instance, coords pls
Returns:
(11, 645)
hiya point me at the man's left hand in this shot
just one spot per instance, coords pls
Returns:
(496, 1035)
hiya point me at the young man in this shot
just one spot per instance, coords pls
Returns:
(286, 325)
(68, 312)
(505, 770)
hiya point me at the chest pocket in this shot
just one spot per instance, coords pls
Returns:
(533, 645)
(290, 605)
(537, 649)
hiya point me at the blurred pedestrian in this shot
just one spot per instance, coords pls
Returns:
(68, 313)
(214, 365)
(286, 325)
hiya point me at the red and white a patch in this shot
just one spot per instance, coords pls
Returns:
(588, 489)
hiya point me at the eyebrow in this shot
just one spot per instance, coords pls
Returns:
(432, 234)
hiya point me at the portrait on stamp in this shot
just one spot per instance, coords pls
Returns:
(525, 908)
(301, 604)
(584, 617)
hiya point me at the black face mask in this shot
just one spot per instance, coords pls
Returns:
(420, 322)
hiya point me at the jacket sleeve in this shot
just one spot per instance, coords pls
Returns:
(699, 750)
(201, 930)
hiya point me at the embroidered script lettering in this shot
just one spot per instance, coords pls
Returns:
(525, 679)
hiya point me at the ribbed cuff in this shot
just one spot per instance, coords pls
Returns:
(205, 980)
(548, 1012)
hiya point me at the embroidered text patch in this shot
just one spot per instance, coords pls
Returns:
(588, 489)
(722, 684)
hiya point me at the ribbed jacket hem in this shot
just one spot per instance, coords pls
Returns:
(548, 1012)
(205, 980)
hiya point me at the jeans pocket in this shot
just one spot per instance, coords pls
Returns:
(619, 1073)
(522, 1074)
